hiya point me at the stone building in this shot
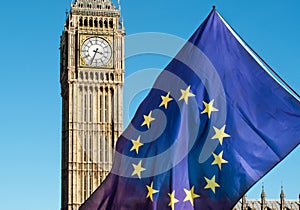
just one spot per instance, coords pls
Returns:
(91, 77)
(265, 204)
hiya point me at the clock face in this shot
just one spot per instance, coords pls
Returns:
(96, 52)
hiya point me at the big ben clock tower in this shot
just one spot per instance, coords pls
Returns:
(91, 77)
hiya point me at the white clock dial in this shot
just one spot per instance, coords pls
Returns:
(96, 51)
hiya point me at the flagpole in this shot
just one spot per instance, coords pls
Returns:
(265, 63)
(269, 67)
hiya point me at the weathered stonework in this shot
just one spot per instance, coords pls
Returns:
(266, 204)
(91, 99)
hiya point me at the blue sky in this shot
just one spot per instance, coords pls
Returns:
(30, 108)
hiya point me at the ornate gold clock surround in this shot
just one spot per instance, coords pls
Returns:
(108, 38)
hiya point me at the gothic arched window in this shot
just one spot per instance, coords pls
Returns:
(80, 21)
(112, 77)
(111, 24)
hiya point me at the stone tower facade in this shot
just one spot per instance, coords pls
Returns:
(265, 204)
(91, 77)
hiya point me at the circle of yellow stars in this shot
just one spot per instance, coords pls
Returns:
(219, 135)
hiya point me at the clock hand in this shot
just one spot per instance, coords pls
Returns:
(95, 52)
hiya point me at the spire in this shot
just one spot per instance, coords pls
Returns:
(282, 206)
(94, 4)
(281, 194)
(119, 5)
(263, 197)
(263, 194)
(122, 24)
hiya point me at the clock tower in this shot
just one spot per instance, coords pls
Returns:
(91, 78)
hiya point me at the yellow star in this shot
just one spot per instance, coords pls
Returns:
(138, 169)
(165, 100)
(190, 195)
(151, 191)
(173, 200)
(148, 119)
(219, 160)
(209, 108)
(185, 94)
(211, 183)
(220, 134)
(136, 144)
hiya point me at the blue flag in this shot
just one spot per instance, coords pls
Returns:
(213, 124)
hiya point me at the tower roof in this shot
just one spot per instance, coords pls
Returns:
(94, 4)
(263, 194)
(281, 193)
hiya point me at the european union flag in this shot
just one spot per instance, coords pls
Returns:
(213, 124)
